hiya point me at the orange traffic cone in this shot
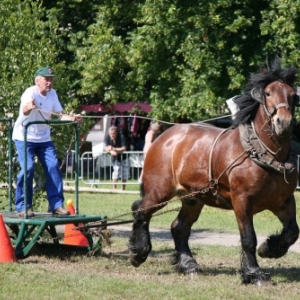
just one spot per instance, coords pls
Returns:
(7, 253)
(74, 237)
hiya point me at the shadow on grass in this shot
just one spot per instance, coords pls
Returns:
(74, 254)
(163, 255)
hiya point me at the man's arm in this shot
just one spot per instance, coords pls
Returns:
(75, 118)
(119, 149)
(28, 107)
(108, 147)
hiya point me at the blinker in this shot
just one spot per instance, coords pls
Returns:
(257, 94)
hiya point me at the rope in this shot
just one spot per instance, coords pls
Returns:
(139, 117)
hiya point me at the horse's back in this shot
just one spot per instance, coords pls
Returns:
(186, 134)
(181, 155)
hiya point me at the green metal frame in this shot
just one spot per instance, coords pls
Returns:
(26, 232)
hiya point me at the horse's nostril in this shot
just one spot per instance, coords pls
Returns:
(278, 121)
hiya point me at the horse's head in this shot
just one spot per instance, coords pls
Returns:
(270, 97)
(278, 100)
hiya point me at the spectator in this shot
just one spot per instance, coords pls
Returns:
(115, 144)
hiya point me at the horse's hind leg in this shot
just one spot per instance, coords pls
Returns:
(181, 229)
(277, 245)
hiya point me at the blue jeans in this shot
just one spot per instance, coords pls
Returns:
(46, 154)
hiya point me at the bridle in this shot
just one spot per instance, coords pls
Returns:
(259, 95)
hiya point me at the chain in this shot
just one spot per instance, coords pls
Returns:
(118, 217)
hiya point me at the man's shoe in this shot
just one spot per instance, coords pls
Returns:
(30, 213)
(60, 211)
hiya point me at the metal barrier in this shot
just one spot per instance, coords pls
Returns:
(69, 170)
(96, 167)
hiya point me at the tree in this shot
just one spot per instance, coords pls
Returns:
(184, 57)
(26, 44)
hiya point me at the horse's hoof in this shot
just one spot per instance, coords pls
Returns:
(271, 249)
(189, 271)
(258, 278)
(187, 265)
(134, 263)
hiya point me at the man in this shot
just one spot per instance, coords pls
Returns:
(38, 102)
(115, 144)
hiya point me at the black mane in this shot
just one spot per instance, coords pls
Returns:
(246, 104)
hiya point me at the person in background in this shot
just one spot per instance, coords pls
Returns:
(150, 136)
(115, 144)
(38, 102)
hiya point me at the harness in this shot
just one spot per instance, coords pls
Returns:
(262, 155)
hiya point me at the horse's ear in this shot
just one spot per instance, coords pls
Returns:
(257, 95)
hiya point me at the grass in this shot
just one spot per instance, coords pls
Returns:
(51, 274)
(111, 276)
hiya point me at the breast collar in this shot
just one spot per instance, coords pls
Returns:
(261, 156)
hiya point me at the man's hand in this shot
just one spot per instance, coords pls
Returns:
(110, 149)
(28, 107)
(78, 119)
(75, 118)
(113, 152)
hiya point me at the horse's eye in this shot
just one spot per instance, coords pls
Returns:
(267, 94)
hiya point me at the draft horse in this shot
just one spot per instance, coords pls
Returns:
(249, 167)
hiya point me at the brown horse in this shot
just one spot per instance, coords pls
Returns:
(248, 168)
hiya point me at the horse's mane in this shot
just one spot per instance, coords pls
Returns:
(247, 106)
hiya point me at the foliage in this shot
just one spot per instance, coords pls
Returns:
(184, 57)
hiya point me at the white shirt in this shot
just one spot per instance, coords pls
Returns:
(37, 133)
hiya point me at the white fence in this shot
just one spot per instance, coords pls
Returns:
(95, 168)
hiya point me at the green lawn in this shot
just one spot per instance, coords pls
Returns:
(60, 274)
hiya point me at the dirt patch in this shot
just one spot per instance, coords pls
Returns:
(205, 237)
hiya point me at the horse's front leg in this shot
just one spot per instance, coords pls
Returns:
(250, 270)
(277, 245)
(139, 241)
(181, 229)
